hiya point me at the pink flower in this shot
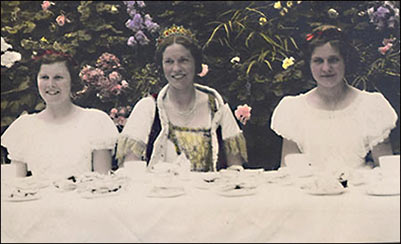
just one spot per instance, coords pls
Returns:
(61, 19)
(115, 77)
(205, 70)
(384, 50)
(122, 111)
(116, 90)
(243, 113)
(124, 84)
(46, 5)
(113, 111)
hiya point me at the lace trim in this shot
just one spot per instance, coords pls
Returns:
(127, 145)
(236, 145)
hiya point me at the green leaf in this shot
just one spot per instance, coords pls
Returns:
(268, 64)
(250, 66)
(213, 33)
(270, 41)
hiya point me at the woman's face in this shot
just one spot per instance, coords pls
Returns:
(54, 83)
(178, 66)
(327, 66)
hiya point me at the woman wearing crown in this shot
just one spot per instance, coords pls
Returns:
(185, 120)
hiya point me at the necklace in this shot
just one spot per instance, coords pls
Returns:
(188, 111)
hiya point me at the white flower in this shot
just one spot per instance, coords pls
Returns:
(9, 58)
(4, 45)
(235, 60)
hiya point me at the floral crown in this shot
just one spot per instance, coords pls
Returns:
(174, 31)
(320, 32)
(51, 52)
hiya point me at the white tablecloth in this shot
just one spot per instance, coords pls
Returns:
(277, 213)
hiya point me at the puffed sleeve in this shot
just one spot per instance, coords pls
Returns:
(285, 119)
(104, 132)
(380, 119)
(14, 137)
(234, 140)
(134, 137)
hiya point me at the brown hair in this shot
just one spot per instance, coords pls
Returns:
(335, 36)
(50, 56)
(187, 42)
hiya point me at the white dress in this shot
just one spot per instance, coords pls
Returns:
(335, 139)
(54, 150)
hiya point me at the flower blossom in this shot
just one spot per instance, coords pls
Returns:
(262, 21)
(46, 4)
(141, 38)
(243, 113)
(4, 45)
(205, 70)
(387, 42)
(332, 13)
(235, 60)
(61, 19)
(287, 62)
(277, 5)
(9, 58)
(108, 61)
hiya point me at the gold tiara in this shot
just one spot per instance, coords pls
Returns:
(174, 31)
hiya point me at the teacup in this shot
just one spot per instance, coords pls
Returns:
(390, 165)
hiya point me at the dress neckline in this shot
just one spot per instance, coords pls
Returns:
(350, 106)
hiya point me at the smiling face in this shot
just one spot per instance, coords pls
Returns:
(54, 83)
(327, 66)
(178, 66)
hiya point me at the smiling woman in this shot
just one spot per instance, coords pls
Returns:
(185, 120)
(335, 125)
(63, 139)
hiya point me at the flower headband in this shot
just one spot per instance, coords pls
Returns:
(328, 31)
(51, 52)
(174, 31)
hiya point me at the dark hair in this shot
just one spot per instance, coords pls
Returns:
(338, 40)
(50, 56)
(187, 42)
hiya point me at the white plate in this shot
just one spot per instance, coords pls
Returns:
(323, 193)
(380, 191)
(90, 195)
(238, 192)
(21, 199)
(166, 192)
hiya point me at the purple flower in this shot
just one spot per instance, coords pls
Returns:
(138, 22)
(130, 4)
(141, 4)
(131, 12)
(141, 38)
(131, 41)
(150, 25)
(381, 12)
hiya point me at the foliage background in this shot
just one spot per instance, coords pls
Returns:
(258, 32)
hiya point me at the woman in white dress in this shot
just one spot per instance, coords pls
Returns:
(64, 139)
(185, 118)
(335, 125)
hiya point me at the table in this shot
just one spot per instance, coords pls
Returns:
(277, 213)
